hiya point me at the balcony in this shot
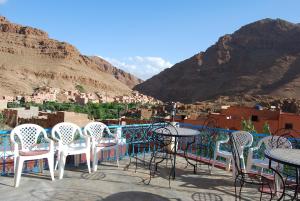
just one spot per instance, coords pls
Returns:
(123, 183)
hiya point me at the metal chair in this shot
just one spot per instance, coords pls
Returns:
(65, 134)
(27, 146)
(241, 175)
(163, 146)
(206, 141)
(102, 139)
(139, 141)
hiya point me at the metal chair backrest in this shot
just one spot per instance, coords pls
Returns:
(291, 135)
(162, 133)
(239, 140)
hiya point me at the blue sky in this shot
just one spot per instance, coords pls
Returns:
(144, 36)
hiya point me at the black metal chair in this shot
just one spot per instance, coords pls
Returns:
(244, 177)
(205, 142)
(163, 147)
(139, 140)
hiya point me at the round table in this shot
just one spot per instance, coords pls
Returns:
(175, 133)
(290, 157)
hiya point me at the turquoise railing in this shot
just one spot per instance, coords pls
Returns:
(130, 136)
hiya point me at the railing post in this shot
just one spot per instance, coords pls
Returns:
(5, 148)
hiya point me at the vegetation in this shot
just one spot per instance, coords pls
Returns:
(248, 125)
(94, 110)
(2, 122)
(80, 88)
(266, 128)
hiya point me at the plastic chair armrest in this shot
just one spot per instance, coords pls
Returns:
(54, 137)
(252, 149)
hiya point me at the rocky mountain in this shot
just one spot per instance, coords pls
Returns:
(30, 59)
(261, 58)
(126, 78)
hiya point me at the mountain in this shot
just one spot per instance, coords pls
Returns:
(261, 58)
(126, 78)
(30, 59)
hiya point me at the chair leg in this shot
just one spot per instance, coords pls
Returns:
(228, 162)
(235, 193)
(88, 159)
(234, 171)
(249, 166)
(61, 166)
(41, 165)
(240, 193)
(95, 161)
(51, 166)
(118, 155)
(213, 163)
(15, 163)
(270, 191)
(76, 160)
(18, 171)
(136, 163)
(57, 160)
(262, 188)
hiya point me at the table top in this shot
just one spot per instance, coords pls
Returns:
(284, 156)
(177, 131)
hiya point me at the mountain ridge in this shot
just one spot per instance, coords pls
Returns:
(259, 58)
(30, 59)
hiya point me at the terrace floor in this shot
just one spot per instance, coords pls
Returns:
(112, 183)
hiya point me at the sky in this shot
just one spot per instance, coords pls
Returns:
(144, 37)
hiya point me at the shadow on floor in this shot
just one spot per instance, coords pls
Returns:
(137, 196)
(206, 197)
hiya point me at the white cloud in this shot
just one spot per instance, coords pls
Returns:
(3, 1)
(142, 67)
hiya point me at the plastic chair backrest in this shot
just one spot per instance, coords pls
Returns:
(95, 130)
(66, 132)
(27, 134)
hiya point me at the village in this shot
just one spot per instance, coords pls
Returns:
(226, 116)
(49, 94)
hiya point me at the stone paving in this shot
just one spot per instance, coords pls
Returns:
(112, 183)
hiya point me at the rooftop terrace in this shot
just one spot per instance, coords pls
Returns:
(123, 183)
(111, 183)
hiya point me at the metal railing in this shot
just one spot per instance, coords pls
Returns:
(133, 142)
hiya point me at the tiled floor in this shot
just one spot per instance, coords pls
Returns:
(112, 183)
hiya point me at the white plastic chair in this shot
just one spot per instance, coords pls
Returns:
(26, 136)
(65, 134)
(269, 142)
(243, 139)
(96, 131)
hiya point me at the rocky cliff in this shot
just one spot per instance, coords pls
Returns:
(30, 59)
(260, 58)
